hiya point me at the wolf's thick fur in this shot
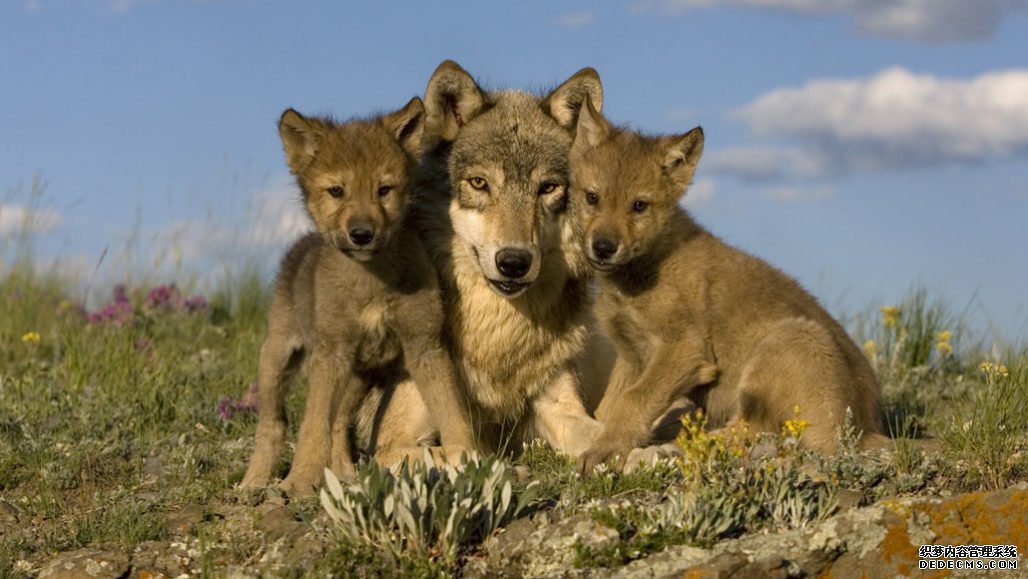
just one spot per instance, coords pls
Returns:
(493, 216)
(359, 297)
(692, 316)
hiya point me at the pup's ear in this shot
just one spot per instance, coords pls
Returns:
(564, 103)
(592, 129)
(408, 125)
(681, 155)
(451, 100)
(300, 139)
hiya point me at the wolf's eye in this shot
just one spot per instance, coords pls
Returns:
(591, 197)
(336, 191)
(547, 188)
(640, 205)
(478, 184)
(385, 190)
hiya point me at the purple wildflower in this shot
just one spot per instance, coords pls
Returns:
(196, 303)
(117, 312)
(226, 408)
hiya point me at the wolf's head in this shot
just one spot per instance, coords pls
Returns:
(625, 185)
(508, 168)
(354, 175)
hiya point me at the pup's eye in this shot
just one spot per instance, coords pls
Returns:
(479, 184)
(385, 190)
(547, 188)
(336, 191)
(591, 197)
(640, 205)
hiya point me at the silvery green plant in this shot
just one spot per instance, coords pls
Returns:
(425, 508)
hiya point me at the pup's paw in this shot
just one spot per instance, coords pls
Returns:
(301, 484)
(601, 453)
(648, 456)
(707, 373)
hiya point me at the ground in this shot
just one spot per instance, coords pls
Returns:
(124, 431)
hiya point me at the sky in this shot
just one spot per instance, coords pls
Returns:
(864, 147)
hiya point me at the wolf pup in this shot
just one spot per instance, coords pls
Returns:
(692, 316)
(493, 217)
(359, 297)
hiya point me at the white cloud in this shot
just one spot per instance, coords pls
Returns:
(919, 20)
(575, 19)
(798, 194)
(894, 119)
(23, 220)
(122, 6)
(700, 193)
(764, 163)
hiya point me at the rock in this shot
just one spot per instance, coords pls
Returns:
(536, 548)
(184, 521)
(278, 521)
(877, 541)
(86, 563)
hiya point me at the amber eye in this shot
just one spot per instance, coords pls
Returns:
(479, 184)
(385, 190)
(591, 197)
(336, 191)
(547, 188)
(640, 205)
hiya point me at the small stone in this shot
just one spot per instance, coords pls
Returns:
(86, 563)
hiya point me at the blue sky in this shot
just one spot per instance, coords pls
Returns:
(862, 146)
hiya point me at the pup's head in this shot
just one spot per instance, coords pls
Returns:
(508, 168)
(354, 175)
(625, 185)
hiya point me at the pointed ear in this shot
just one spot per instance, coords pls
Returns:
(300, 139)
(592, 129)
(681, 155)
(407, 125)
(451, 100)
(564, 103)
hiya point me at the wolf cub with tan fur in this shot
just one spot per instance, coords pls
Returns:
(692, 316)
(359, 297)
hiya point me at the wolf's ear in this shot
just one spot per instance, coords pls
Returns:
(592, 129)
(451, 100)
(408, 125)
(564, 103)
(300, 139)
(681, 155)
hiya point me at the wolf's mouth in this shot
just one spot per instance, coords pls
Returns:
(508, 288)
(602, 265)
(361, 255)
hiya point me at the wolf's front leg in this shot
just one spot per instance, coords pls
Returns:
(673, 370)
(559, 416)
(328, 368)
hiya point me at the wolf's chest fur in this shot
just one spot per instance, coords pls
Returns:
(508, 351)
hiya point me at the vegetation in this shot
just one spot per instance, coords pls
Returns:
(128, 425)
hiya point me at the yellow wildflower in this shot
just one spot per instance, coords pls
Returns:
(942, 343)
(890, 316)
(870, 349)
(30, 338)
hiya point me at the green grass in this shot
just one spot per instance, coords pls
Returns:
(107, 430)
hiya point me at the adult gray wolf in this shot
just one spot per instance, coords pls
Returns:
(492, 211)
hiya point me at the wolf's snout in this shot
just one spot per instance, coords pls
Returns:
(604, 248)
(514, 263)
(361, 235)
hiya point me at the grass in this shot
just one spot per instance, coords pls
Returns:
(109, 428)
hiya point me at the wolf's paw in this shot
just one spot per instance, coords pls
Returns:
(707, 373)
(648, 456)
(301, 484)
(601, 453)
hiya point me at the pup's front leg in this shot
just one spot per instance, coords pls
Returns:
(559, 416)
(328, 366)
(673, 370)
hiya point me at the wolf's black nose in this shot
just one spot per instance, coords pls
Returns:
(513, 263)
(361, 236)
(604, 248)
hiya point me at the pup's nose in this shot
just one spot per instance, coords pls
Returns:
(513, 263)
(604, 248)
(361, 235)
